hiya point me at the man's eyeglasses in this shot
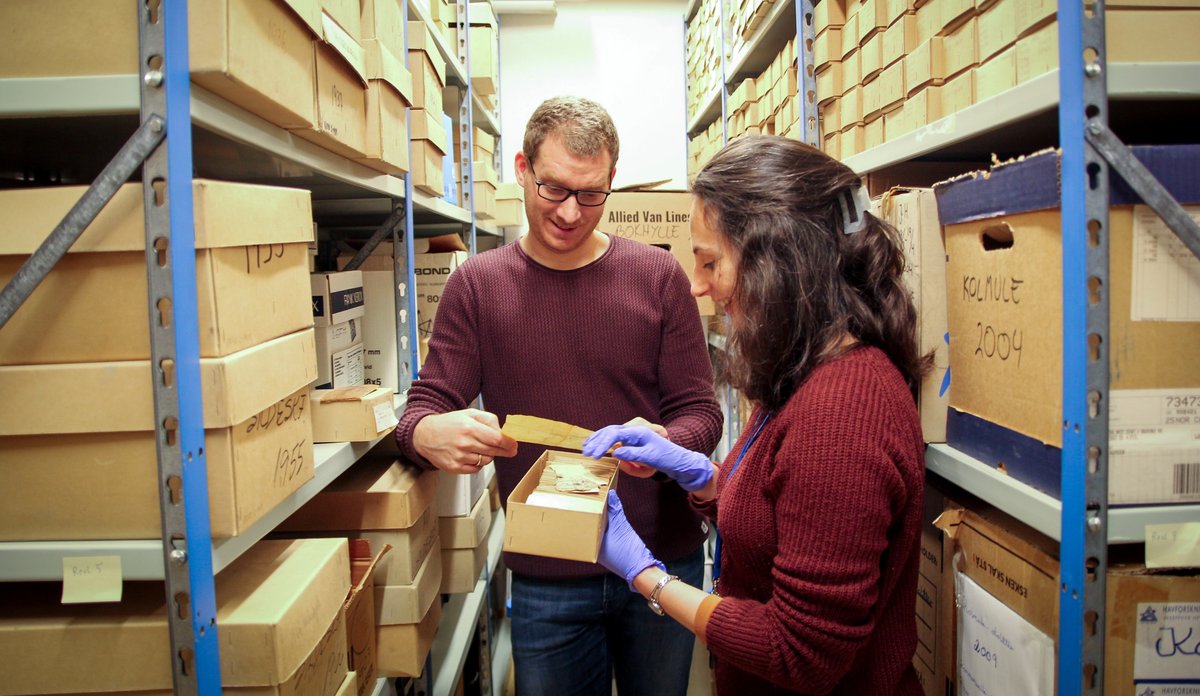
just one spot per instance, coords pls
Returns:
(558, 194)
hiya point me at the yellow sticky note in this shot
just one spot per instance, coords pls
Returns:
(88, 579)
(1173, 545)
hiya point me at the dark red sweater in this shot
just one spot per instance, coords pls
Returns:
(820, 527)
(618, 338)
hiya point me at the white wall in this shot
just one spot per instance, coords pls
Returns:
(625, 54)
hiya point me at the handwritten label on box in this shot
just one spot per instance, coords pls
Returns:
(1173, 545)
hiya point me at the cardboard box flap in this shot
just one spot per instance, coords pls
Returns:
(1033, 183)
(383, 65)
(345, 45)
(441, 244)
(510, 190)
(225, 214)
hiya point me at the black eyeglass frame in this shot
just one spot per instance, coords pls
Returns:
(569, 192)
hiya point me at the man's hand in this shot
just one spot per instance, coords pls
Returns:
(462, 442)
(634, 468)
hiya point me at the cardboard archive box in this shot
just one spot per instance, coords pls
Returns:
(352, 414)
(375, 493)
(913, 212)
(251, 259)
(402, 648)
(510, 204)
(558, 532)
(436, 259)
(1015, 565)
(389, 94)
(336, 297)
(429, 148)
(464, 546)
(1004, 302)
(279, 608)
(410, 546)
(77, 445)
(409, 603)
(659, 218)
(457, 493)
(485, 49)
(384, 347)
(384, 21)
(486, 183)
(255, 53)
(340, 88)
(427, 68)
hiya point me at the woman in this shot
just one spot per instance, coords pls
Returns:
(819, 503)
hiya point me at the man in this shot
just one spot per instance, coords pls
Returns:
(573, 324)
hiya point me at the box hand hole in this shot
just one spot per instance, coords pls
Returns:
(996, 237)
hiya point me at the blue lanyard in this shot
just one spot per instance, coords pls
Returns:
(716, 569)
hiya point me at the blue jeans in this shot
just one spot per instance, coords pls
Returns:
(569, 635)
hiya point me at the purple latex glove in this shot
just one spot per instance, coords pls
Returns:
(622, 551)
(691, 470)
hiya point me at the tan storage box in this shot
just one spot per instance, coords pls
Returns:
(532, 527)
(409, 548)
(402, 648)
(407, 604)
(389, 94)
(104, 485)
(360, 617)
(427, 68)
(275, 605)
(353, 414)
(467, 531)
(462, 568)
(384, 21)
(374, 494)
(429, 148)
(251, 243)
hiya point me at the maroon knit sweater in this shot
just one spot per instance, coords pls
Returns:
(820, 530)
(618, 338)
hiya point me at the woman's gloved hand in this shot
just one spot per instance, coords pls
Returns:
(691, 470)
(622, 551)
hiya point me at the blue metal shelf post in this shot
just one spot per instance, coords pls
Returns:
(175, 352)
(1083, 555)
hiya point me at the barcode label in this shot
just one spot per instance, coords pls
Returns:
(1187, 478)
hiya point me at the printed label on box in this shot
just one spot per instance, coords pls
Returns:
(1167, 653)
(1154, 443)
(1166, 275)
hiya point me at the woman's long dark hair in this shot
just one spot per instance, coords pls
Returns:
(802, 284)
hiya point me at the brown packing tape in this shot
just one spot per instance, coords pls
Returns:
(355, 393)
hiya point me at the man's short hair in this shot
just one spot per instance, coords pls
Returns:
(585, 127)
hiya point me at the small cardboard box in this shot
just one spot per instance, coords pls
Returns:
(457, 493)
(849, 36)
(997, 75)
(829, 13)
(925, 65)
(375, 493)
(510, 204)
(485, 63)
(275, 604)
(433, 268)
(829, 83)
(406, 604)
(899, 39)
(958, 93)
(427, 67)
(827, 46)
(1004, 283)
(872, 19)
(384, 21)
(333, 344)
(913, 212)
(251, 242)
(429, 148)
(257, 54)
(402, 648)
(557, 533)
(389, 94)
(461, 568)
(870, 56)
(352, 414)
(493, 487)
(340, 124)
(112, 491)
(961, 47)
(997, 28)
(851, 71)
(659, 218)
(467, 531)
(409, 548)
(383, 348)
(337, 297)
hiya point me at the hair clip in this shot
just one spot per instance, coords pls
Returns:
(854, 203)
